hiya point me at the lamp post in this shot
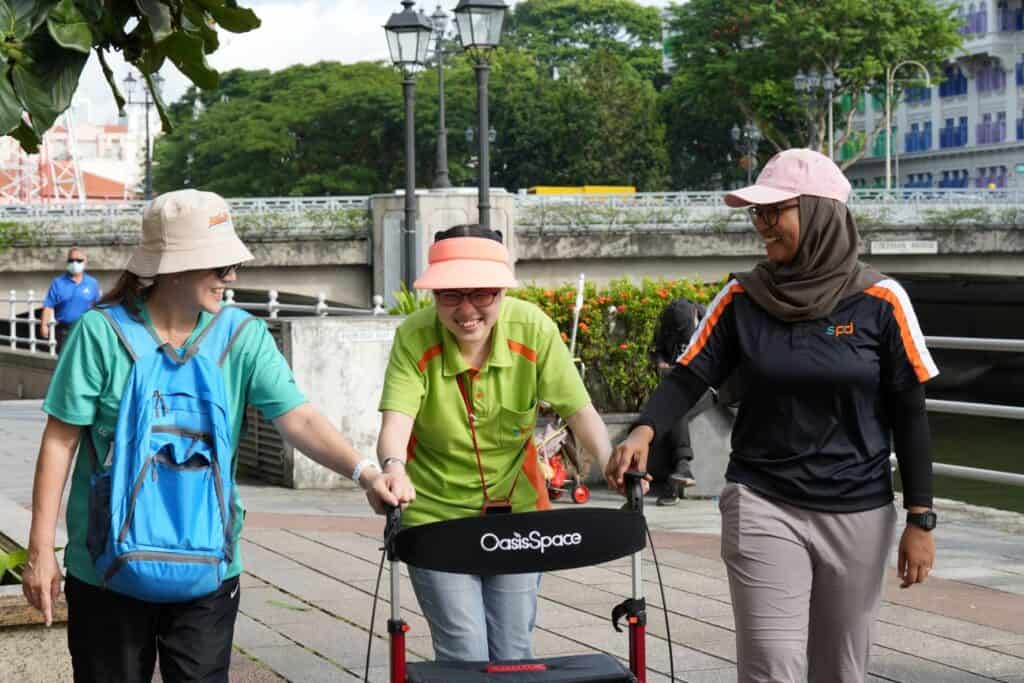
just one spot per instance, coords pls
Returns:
(408, 34)
(807, 87)
(750, 136)
(890, 75)
(146, 101)
(480, 23)
(440, 21)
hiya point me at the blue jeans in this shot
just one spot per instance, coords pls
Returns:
(478, 618)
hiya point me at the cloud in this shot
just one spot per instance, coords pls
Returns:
(293, 32)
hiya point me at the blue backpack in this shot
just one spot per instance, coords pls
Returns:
(161, 516)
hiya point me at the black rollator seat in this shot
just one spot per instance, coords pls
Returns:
(521, 543)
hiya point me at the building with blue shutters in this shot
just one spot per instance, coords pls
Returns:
(966, 132)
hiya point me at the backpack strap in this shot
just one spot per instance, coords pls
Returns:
(219, 336)
(138, 338)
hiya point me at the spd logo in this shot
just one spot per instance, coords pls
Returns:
(840, 330)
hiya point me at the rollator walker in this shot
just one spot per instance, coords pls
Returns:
(519, 543)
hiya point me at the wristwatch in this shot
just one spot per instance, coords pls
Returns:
(924, 520)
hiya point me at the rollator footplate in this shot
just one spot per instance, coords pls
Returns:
(633, 609)
(589, 668)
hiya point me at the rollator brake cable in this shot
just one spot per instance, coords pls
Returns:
(390, 531)
(664, 605)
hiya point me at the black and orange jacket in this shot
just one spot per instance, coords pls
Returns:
(813, 429)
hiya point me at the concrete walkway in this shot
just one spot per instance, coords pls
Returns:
(312, 558)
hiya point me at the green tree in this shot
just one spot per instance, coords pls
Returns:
(597, 124)
(737, 58)
(563, 32)
(44, 45)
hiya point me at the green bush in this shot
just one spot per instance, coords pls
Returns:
(616, 332)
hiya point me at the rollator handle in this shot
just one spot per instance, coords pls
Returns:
(392, 526)
(635, 490)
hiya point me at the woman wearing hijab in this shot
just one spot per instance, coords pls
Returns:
(833, 362)
(459, 406)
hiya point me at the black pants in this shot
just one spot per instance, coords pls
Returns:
(60, 333)
(668, 451)
(115, 639)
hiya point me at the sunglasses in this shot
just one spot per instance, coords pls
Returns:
(76, 260)
(770, 213)
(481, 298)
(226, 272)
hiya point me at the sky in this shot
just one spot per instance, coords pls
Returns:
(293, 32)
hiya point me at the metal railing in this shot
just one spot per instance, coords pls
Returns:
(33, 343)
(976, 409)
(710, 199)
(32, 340)
(274, 308)
(129, 209)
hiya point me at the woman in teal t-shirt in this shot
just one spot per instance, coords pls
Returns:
(174, 284)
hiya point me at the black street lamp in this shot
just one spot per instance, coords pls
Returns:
(440, 21)
(408, 34)
(480, 23)
(146, 101)
(817, 90)
(750, 137)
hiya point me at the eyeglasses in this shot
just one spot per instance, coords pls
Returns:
(76, 260)
(481, 298)
(770, 214)
(226, 272)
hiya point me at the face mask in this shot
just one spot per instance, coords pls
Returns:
(76, 268)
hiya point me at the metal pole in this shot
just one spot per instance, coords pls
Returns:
(750, 161)
(831, 134)
(409, 229)
(483, 126)
(441, 180)
(149, 155)
(888, 130)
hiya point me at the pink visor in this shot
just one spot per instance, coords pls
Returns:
(790, 174)
(467, 263)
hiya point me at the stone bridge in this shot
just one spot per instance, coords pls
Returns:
(348, 248)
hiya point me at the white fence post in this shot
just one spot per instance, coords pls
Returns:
(272, 305)
(51, 334)
(13, 317)
(32, 320)
(321, 305)
(229, 297)
(378, 305)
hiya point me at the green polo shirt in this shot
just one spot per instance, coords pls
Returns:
(86, 391)
(528, 362)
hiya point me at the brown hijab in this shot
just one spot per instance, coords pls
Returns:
(824, 271)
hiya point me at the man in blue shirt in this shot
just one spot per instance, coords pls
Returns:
(70, 295)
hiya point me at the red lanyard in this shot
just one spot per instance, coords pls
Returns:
(476, 447)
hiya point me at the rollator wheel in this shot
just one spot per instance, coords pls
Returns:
(581, 494)
(554, 494)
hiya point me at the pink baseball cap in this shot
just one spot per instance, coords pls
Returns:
(792, 173)
(467, 263)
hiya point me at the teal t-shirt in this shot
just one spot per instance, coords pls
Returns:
(86, 391)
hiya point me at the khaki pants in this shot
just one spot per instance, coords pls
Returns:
(805, 586)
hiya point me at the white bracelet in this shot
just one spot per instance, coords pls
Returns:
(363, 464)
(388, 461)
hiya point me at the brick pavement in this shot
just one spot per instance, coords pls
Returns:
(312, 559)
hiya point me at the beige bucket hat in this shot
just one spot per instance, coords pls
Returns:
(187, 230)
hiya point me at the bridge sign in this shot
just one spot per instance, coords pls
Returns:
(889, 247)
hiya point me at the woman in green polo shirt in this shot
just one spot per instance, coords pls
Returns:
(174, 283)
(459, 405)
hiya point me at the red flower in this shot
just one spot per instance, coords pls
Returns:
(622, 308)
(584, 327)
(623, 346)
(663, 293)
